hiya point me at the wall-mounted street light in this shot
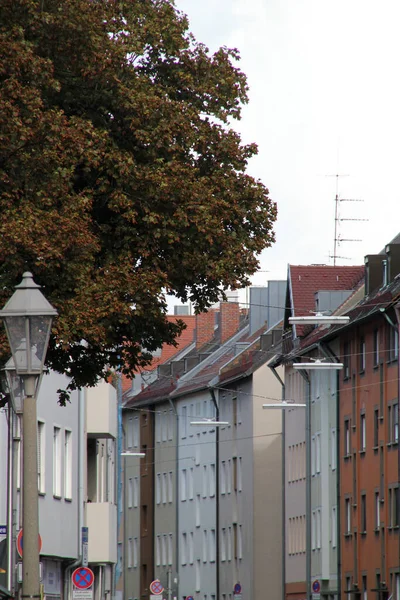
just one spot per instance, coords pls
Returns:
(140, 454)
(209, 423)
(318, 364)
(27, 317)
(284, 405)
(319, 319)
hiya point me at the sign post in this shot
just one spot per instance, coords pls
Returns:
(85, 543)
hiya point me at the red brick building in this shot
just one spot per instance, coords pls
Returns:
(369, 439)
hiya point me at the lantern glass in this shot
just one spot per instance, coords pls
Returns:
(28, 337)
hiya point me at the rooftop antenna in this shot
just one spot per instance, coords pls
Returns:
(337, 240)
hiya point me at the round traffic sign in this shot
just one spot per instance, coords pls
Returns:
(83, 578)
(316, 586)
(20, 542)
(189, 597)
(156, 587)
(237, 589)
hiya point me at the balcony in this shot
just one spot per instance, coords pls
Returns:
(101, 519)
(101, 411)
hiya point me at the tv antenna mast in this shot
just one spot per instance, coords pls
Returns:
(337, 239)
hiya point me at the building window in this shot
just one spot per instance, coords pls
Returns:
(197, 509)
(130, 553)
(393, 343)
(135, 492)
(375, 348)
(223, 545)
(170, 487)
(191, 484)
(234, 411)
(364, 588)
(376, 427)
(223, 477)
(229, 544)
(362, 355)
(183, 485)
(347, 437)
(346, 360)
(212, 545)
(363, 513)
(393, 423)
(130, 493)
(164, 488)
(158, 488)
(333, 449)
(191, 547)
(41, 459)
(229, 477)
(183, 549)
(67, 464)
(135, 552)
(313, 531)
(318, 453)
(347, 515)
(212, 481)
(334, 527)
(171, 418)
(164, 544)
(136, 431)
(157, 418)
(170, 549)
(239, 474)
(363, 432)
(394, 506)
(377, 511)
(164, 425)
(158, 550)
(57, 462)
(205, 541)
(198, 580)
(130, 432)
(204, 481)
(184, 422)
(240, 543)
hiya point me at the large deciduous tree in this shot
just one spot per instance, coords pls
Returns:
(121, 178)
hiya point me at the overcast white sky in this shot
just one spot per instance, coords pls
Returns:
(324, 99)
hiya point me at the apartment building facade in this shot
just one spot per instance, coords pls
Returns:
(311, 494)
(211, 485)
(76, 486)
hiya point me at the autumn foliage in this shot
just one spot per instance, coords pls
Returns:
(120, 176)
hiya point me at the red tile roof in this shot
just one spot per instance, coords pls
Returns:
(167, 351)
(306, 280)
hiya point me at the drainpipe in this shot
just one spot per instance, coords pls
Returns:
(173, 407)
(81, 487)
(274, 371)
(329, 353)
(216, 405)
(10, 497)
(308, 483)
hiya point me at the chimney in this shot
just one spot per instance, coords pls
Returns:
(373, 272)
(229, 319)
(204, 327)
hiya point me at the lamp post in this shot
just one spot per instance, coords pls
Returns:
(27, 317)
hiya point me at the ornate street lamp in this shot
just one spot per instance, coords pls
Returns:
(27, 317)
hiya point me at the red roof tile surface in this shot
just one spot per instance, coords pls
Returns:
(168, 352)
(306, 280)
